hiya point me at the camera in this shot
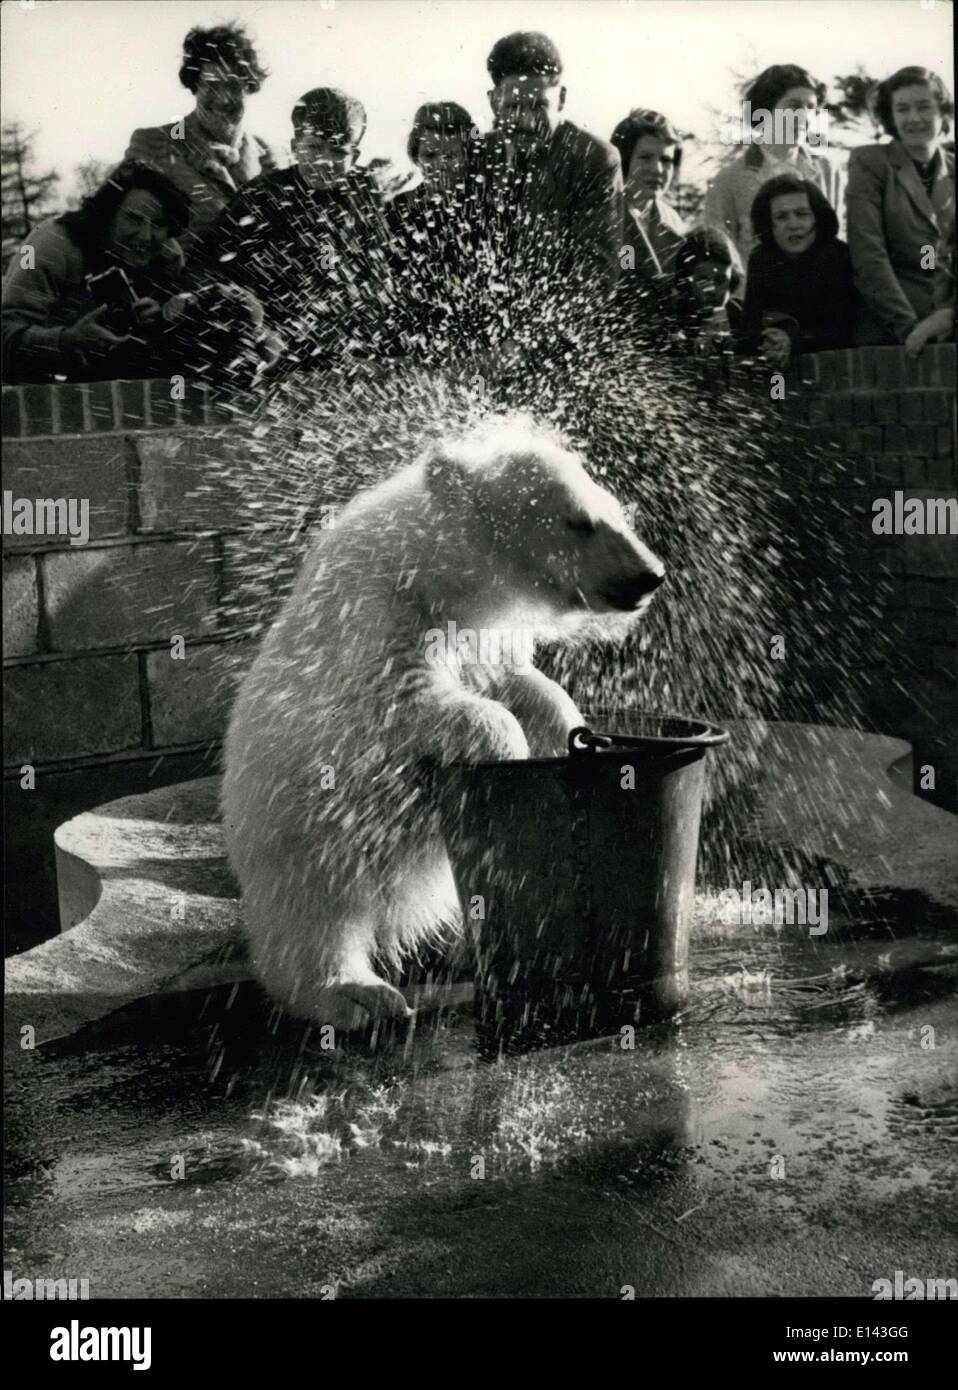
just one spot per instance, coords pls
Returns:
(112, 287)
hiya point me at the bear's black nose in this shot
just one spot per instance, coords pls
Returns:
(627, 593)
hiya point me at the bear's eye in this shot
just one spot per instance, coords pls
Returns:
(582, 525)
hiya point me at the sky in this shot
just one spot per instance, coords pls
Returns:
(85, 73)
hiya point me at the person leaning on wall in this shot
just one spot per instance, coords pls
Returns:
(208, 154)
(311, 243)
(901, 209)
(704, 316)
(93, 294)
(799, 292)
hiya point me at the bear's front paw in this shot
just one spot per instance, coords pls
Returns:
(482, 731)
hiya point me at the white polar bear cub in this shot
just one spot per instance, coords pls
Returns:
(331, 827)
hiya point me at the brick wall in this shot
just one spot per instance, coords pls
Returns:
(880, 423)
(96, 702)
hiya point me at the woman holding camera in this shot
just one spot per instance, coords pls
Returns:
(92, 294)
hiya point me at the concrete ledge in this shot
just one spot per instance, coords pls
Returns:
(146, 881)
(149, 905)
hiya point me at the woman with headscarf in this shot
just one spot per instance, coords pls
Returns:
(799, 291)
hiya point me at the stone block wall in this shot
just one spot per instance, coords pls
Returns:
(93, 667)
(119, 662)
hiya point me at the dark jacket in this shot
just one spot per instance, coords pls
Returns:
(436, 239)
(318, 262)
(815, 291)
(891, 224)
(561, 216)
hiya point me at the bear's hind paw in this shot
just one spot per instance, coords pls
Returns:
(350, 1004)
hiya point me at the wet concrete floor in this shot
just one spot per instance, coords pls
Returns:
(793, 1132)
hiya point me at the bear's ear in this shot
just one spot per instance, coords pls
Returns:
(450, 474)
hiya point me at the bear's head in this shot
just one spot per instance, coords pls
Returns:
(555, 537)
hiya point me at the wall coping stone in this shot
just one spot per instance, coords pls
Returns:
(105, 407)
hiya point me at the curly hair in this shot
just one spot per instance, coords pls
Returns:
(89, 225)
(910, 77)
(226, 44)
(826, 218)
(766, 91)
(630, 131)
(441, 117)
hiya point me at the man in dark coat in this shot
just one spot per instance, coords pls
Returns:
(551, 200)
(438, 232)
(557, 189)
(311, 242)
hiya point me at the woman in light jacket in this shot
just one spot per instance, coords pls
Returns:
(651, 153)
(782, 104)
(901, 208)
(207, 154)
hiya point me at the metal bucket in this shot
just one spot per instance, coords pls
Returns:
(577, 876)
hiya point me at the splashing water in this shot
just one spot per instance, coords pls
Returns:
(491, 311)
(705, 489)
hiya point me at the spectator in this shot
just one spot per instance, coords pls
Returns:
(901, 208)
(439, 143)
(207, 154)
(651, 153)
(708, 272)
(555, 190)
(799, 292)
(436, 226)
(939, 325)
(311, 242)
(781, 102)
(92, 294)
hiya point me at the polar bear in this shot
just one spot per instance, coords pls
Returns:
(330, 823)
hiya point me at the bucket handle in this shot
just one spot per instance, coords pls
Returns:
(584, 740)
